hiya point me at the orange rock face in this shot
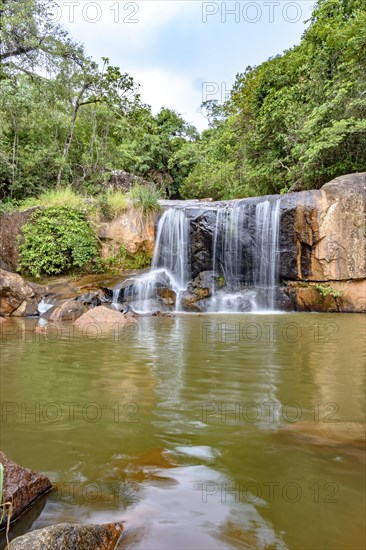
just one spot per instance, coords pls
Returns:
(129, 230)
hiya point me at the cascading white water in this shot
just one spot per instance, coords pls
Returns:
(228, 258)
(227, 248)
(266, 253)
(170, 267)
(171, 251)
(249, 269)
(244, 261)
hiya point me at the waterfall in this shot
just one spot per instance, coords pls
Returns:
(245, 260)
(227, 248)
(171, 251)
(170, 268)
(266, 253)
(245, 255)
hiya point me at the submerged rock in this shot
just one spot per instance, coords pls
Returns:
(17, 297)
(69, 536)
(330, 433)
(21, 487)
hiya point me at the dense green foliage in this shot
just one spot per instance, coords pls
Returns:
(57, 240)
(295, 121)
(291, 123)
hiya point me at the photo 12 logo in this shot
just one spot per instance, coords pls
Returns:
(93, 12)
(251, 12)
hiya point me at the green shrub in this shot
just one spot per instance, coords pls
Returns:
(327, 290)
(57, 240)
(145, 197)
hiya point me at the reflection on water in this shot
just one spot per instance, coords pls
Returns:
(212, 431)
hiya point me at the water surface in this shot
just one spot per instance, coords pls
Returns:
(199, 431)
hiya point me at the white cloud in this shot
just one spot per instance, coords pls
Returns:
(131, 23)
(161, 88)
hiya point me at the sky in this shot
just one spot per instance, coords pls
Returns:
(183, 52)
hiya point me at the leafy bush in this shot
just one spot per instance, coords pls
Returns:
(145, 197)
(327, 290)
(58, 240)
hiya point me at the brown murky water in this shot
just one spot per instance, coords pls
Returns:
(206, 432)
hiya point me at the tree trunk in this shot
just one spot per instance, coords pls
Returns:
(14, 159)
(70, 135)
(67, 143)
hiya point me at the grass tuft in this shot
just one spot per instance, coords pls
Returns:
(65, 196)
(145, 197)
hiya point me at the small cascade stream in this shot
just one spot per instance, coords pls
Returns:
(244, 268)
(170, 268)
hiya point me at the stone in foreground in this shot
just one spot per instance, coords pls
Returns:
(21, 486)
(17, 297)
(68, 311)
(104, 319)
(69, 536)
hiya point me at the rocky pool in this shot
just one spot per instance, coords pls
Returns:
(199, 431)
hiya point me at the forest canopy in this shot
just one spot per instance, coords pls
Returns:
(291, 123)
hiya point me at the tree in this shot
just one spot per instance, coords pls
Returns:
(30, 38)
(89, 85)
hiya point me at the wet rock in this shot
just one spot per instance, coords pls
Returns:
(68, 311)
(17, 297)
(167, 295)
(68, 536)
(104, 319)
(306, 297)
(202, 232)
(94, 298)
(193, 302)
(24, 523)
(283, 300)
(205, 281)
(21, 486)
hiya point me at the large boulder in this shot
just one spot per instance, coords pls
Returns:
(21, 487)
(104, 319)
(68, 311)
(328, 232)
(68, 536)
(11, 224)
(119, 179)
(17, 297)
